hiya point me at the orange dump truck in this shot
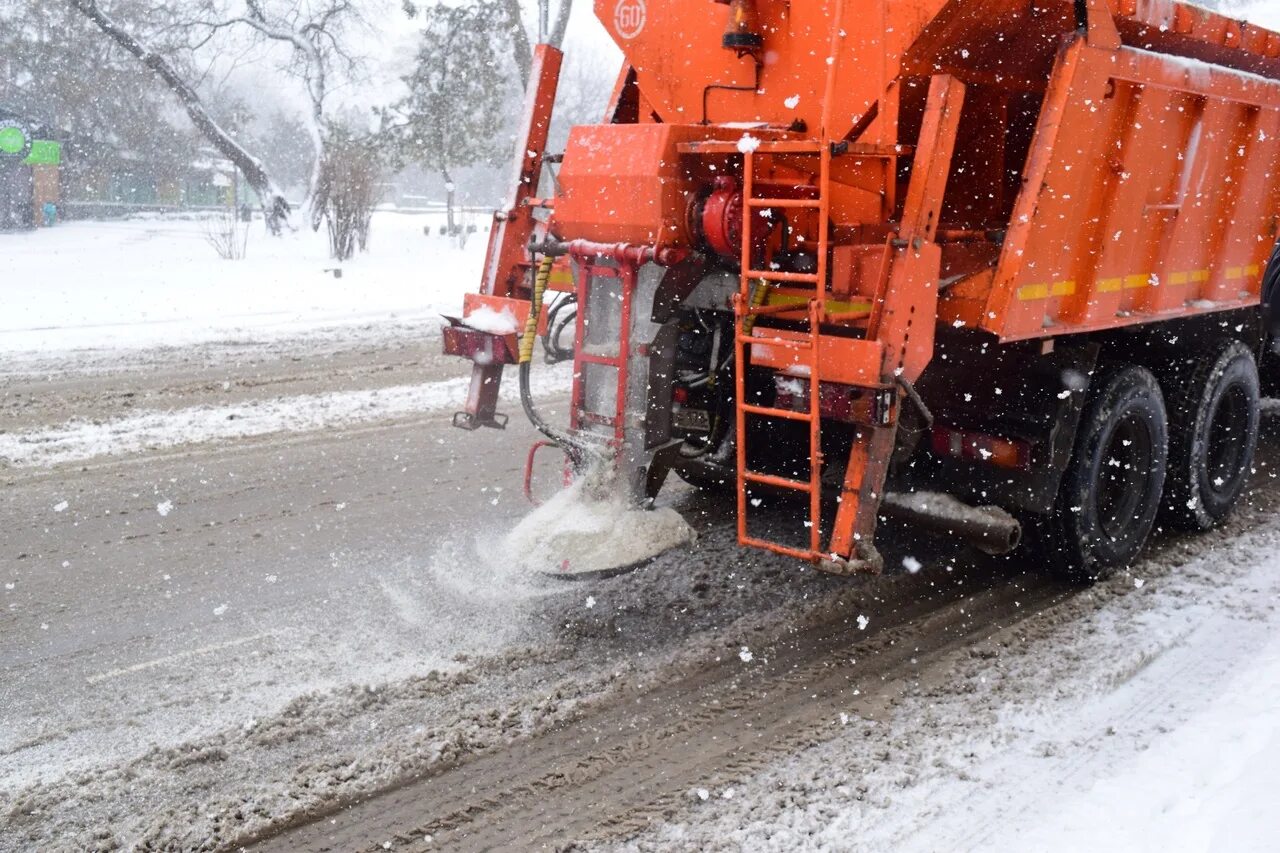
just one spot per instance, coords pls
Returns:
(1020, 252)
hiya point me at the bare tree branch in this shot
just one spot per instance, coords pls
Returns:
(521, 45)
(275, 208)
(561, 25)
(316, 45)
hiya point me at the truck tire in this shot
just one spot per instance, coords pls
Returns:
(705, 478)
(1110, 493)
(1270, 361)
(1213, 432)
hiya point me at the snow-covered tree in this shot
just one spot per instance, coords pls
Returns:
(56, 70)
(315, 33)
(454, 112)
(275, 208)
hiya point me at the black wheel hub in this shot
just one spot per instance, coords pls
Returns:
(1226, 443)
(1123, 480)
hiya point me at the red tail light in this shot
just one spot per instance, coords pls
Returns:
(980, 447)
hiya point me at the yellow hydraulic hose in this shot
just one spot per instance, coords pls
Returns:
(540, 282)
(759, 296)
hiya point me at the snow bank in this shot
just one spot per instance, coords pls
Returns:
(133, 284)
(1208, 784)
(80, 440)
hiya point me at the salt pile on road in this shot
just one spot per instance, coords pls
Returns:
(592, 526)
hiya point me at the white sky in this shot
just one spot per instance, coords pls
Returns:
(391, 40)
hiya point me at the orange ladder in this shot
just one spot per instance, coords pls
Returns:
(747, 309)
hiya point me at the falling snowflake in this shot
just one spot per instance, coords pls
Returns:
(745, 655)
(164, 507)
(863, 622)
(702, 793)
(748, 143)
(911, 564)
(1138, 582)
(60, 506)
(792, 102)
(219, 610)
(591, 601)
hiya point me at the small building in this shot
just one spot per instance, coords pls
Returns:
(30, 163)
(126, 182)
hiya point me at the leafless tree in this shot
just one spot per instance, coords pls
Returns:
(551, 30)
(275, 208)
(348, 190)
(315, 32)
(227, 234)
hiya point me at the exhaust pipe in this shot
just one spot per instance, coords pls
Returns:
(988, 528)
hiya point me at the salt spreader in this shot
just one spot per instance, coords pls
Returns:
(862, 252)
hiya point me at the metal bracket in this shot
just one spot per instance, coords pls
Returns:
(471, 423)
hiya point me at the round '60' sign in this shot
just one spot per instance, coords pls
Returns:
(629, 17)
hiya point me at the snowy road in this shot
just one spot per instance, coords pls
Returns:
(210, 644)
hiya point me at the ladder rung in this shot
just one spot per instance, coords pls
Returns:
(597, 418)
(606, 360)
(779, 308)
(848, 316)
(780, 482)
(785, 550)
(800, 346)
(770, 275)
(786, 203)
(782, 414)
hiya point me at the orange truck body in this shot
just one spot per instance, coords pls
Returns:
(1025, 170)
(1120, 215)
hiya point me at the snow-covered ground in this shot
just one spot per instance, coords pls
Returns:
(81, 439)
(1140, 716)
(149, 282)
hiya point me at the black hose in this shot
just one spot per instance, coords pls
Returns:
(574, 449)
(555, 328)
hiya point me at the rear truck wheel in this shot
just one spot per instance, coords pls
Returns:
(1110, 493)
(1213, 432)
(707, 478)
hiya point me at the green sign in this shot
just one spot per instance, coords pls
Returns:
(12, 140)
(44, 153)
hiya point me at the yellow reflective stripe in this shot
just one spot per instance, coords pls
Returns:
(833, 306)
(1033, 292)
